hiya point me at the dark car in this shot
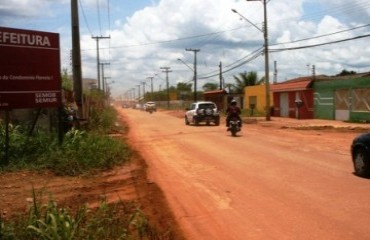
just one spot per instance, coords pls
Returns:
(360, 150)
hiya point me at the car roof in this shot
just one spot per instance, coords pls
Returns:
(207, 102)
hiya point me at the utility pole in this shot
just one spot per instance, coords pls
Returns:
(76, 57)
(275, 72)
(139, 92)
(106, 85)
(97, 38)
(143, 90)
(102, 73)
(151, 87)
(266, 53)
(195, 70)
(267, 71)
(166, 70)
(220, 75)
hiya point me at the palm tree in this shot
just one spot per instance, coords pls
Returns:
(246, 79)
(210, 86)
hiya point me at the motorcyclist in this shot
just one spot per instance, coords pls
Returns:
(233, 111)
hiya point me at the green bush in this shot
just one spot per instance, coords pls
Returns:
(80, 153)
(83, 153)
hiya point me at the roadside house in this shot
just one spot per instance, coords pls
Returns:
(293, 98)
(345, 98)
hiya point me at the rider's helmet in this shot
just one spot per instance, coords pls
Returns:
(233, 102)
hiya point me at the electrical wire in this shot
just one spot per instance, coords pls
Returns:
(320, 44)
(324, 35)
(84, 16)
(99, 20)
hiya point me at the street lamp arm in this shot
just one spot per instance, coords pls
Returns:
(246, 19)
(185, 64)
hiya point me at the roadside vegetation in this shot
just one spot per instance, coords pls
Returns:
(83, 151)
(120, 220)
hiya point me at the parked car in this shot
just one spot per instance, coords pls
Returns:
(150, 107)
(204, 111)
(360, 150)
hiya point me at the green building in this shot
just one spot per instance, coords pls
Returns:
(345, 98)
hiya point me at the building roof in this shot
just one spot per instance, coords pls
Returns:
(222, 91)
(297, 84)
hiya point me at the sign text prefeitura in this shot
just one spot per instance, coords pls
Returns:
(29, 69)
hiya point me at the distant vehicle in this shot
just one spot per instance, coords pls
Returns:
(360, 151)
(138, 106)
(150, 107)
(204, 111)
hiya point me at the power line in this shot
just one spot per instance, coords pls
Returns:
(256, 54)
(99, 21)
(324, 35)
(84, 16)
(320, 44)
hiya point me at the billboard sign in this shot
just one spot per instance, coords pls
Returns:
(29, 69)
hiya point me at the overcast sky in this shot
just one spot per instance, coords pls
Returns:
(146, 35)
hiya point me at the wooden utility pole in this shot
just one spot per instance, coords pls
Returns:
(76, 57)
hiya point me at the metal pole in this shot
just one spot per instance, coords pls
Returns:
(151, 88)
(195, 71)
(98, 58)
(166, 70)
(266, 53)
(267, 72)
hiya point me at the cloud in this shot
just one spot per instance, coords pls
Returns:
(157, 33)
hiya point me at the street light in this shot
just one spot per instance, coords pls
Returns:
(195, 70)
(266, 51)
(179, 59)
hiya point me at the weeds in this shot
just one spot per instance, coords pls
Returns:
(121, 220)
(82, 152)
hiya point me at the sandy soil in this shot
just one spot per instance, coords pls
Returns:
(282, 179)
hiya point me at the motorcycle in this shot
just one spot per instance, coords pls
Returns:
(235, 126)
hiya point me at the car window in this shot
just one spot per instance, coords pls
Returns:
(206, 105)
(192, 106)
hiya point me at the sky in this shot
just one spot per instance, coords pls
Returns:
(147, 35)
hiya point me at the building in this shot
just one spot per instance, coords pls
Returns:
(218, 97)
(345, 98)
(255, 99)
(293, 98)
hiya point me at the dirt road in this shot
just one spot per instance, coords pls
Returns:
(269, 183)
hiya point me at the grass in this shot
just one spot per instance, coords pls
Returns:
(82, 151)
(121, 220)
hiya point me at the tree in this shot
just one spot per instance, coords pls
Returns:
(210, 86)
(246, 79)
(345, 73)
(229, 87)
(184, 90)
(67, 83)
(186, 87)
